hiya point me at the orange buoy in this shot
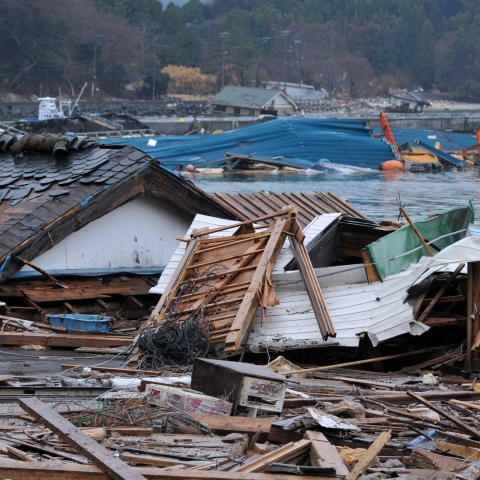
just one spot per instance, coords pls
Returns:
(391, 165)
(190, 168)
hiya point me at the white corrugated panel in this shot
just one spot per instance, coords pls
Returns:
(377, 309)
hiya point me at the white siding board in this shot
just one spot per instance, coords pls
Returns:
(140, 233)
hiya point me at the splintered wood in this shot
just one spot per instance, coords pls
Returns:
(226, 279)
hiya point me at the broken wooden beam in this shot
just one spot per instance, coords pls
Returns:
(63, 340)
(455, 420)
(220, 425)
(324, 454)
(54, 470)
(282, 453)
(440, 293)
(369, 456)
(96, 453)
(320, 309)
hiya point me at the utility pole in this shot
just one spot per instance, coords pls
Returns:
(223, 36)
(95, 63)
(299, 44)
(153, 84)
(285, 35)
(330, 67)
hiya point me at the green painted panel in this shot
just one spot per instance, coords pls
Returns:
(388, 253)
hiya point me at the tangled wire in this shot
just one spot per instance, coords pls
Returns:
(173, 344)
(177, 343)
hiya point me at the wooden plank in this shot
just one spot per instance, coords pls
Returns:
(19, 454)
(473, 315)
(70, 434)
(455, 420)
(369, 456)
(46, 449)
(472, 454)
(451, 298)
(370, 270)
(276, 456)
(440, 293)
(322, 315)
(53, 470)
(154, 461)
(242, 322)
(440, 321)
(429, 363)
(63, 340)
(368, 383)
(425, 459)
(324, 454)
(418, 304)
(249, 426)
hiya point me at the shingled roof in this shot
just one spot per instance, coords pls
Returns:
(51, 186)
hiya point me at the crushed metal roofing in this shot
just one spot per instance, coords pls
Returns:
(37, 188)
(449, 141)
(295, 142)
(411, 97)
(309, 206)
(247, 97)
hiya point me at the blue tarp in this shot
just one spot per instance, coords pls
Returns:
(298, 142)
(448, 140)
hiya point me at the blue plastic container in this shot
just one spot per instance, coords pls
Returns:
(81, 323)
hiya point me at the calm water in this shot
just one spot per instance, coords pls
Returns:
(375, 194)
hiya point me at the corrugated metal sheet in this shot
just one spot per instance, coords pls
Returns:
(296, 142)
(449, 141)
(248, 206)
(377, 309)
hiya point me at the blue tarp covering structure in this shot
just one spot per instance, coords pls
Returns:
(298, 142)
(448, 140)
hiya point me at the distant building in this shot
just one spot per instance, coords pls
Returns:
(407, 102)
(252, 102)
(299, 92)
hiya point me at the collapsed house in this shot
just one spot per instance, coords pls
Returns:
(103, 219)
(252, 101)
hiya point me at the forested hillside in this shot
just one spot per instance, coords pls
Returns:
(356, 47)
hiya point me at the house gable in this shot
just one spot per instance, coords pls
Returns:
(45, 199)
(138, 234)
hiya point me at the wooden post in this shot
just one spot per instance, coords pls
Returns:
(473, 316)
(455, 420)
(440, 293)
(417, 233)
